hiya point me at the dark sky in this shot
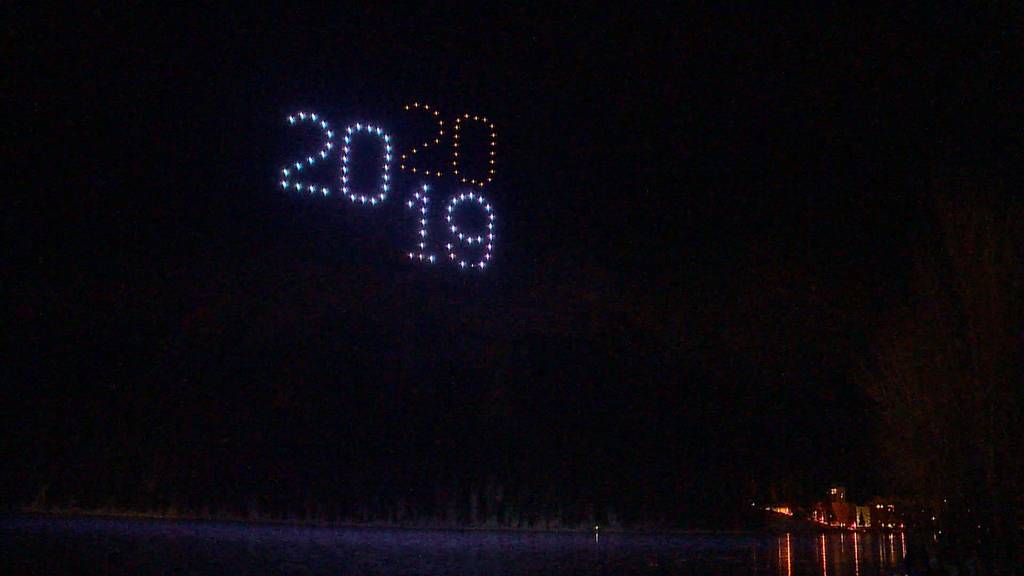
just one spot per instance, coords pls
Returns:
(704, 220)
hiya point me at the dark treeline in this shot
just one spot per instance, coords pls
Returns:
(260, 385)
(224, 425)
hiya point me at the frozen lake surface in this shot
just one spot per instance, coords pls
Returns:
(49, 545)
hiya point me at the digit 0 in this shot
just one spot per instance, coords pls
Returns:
(385, 179)
(458, 165)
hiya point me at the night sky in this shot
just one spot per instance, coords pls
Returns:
(705, 222)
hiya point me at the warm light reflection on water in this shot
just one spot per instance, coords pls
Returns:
(785, 558)
(840, 554)
(856, 554)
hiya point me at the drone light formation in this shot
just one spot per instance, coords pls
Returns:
(492, 144)
(419, 203)
(406, 160)
(385, 179)
(297, 166)
(483, 239)
(460, 240)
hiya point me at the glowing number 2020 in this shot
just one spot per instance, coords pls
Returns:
(459, 150)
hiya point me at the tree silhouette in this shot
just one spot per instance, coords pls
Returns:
(948, 377)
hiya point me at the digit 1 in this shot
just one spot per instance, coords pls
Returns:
(420, 203)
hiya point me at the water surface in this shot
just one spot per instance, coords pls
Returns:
(50, 545)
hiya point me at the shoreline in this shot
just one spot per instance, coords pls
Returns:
(130, 515)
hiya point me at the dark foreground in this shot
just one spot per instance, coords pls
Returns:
(49, 545)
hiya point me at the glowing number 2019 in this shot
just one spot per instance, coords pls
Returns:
(482, 241)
